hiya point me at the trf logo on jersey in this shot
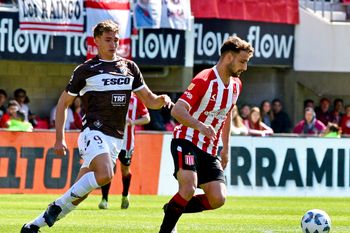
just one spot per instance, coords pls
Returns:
(118, 99)
(189, 159)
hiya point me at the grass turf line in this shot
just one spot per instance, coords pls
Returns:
(239, 215)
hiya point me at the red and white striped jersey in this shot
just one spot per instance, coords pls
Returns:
(136, 110)
(210, 101)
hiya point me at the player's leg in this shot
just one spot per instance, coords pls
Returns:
(173, 210)
(90, 178)
(125, 161)
(211, 180)
(39, 221)
(105, 191)
(215, 193)
(185, 170)
(96, 171)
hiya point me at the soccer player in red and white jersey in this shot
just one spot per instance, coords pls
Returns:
(137, 115)
(204, 114)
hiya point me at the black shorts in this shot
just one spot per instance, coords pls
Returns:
(188, 156)
(125, 157)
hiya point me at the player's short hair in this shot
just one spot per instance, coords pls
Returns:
(105, 26)
(236, 44)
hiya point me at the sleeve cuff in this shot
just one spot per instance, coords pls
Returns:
(185, 102)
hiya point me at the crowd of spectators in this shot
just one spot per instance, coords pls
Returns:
(15, 113)
(270, 118)
(267, 119)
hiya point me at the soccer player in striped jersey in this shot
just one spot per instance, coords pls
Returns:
(105, 84)
(204, 114)
(137, 115)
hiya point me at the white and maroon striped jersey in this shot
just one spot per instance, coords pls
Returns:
(210, 101)
(136, 110)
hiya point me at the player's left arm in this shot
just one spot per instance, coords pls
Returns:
(152, 100)
(225, 136)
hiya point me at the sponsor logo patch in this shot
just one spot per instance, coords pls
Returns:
(118, 99)
(98, 124)
(191, 86)
(188, 95)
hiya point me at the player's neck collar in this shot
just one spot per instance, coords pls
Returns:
(220, 82)
(113, 60)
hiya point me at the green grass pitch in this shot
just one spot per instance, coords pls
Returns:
(239, 215)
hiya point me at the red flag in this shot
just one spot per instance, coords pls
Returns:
(116, 10)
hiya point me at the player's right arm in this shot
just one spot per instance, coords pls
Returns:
(181, 113)
(192, 97)
(63, 104)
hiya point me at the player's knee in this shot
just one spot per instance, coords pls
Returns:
(216, 201)
(125, 170)
(104, 178)
(187, 191)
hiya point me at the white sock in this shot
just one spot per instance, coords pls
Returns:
(39, 221)
(66, 210)
(83, 186)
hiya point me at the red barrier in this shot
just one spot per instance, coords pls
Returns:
(283, 11)
(28, 163)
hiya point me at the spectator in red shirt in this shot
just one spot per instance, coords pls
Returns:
(254, 124)
(11, 113)
(310, 125)
(322, 112)
(345, 121)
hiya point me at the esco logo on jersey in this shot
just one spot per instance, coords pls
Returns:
(116, 81)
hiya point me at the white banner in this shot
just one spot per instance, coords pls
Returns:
(162, 14)
(277, 166)
(56, 17)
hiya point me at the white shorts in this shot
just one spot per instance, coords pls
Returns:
(92, 143)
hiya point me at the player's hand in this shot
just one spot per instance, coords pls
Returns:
(208, 131)
(129, 121)
(167, 101)
(60, 147)
(224, 158)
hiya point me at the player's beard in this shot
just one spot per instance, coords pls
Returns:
(232, 72)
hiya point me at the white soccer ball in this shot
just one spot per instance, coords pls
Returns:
(316, 221)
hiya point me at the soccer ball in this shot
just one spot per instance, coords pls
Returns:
(316, 221)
